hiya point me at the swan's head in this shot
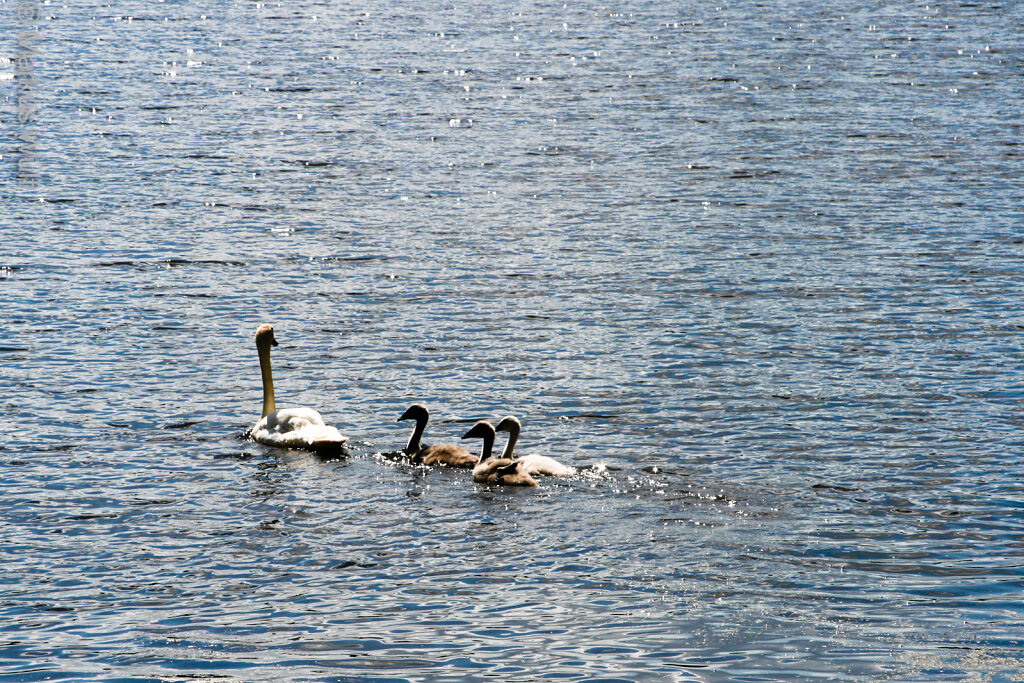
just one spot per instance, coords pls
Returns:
(417, 411)
(481, 430)
(508, 424)
(265, 335)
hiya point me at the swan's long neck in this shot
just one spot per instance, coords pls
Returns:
(488, 446)
(417, 434)
(513, 436)
(268, 379)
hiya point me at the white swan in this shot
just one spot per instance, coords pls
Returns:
(439, 454)
(532, 463)
(492, 470)
(288, 427)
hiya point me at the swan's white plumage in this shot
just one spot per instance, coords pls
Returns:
(531, 463)
(296, 428)
(544, 465)
(288, 427)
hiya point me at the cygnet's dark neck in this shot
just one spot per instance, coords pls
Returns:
(417, 433)
(488, 446)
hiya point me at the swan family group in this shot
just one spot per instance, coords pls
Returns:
(304, 428)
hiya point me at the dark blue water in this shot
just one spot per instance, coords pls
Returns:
(756, 269)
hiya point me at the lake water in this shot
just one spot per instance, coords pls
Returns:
(756, 269)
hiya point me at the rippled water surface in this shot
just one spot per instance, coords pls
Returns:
(756, 269)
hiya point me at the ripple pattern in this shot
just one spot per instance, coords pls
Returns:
(753, 268)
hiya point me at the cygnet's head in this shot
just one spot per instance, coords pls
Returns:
(481, 430)
(417, 411)
(508, 424)
(265, 335)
